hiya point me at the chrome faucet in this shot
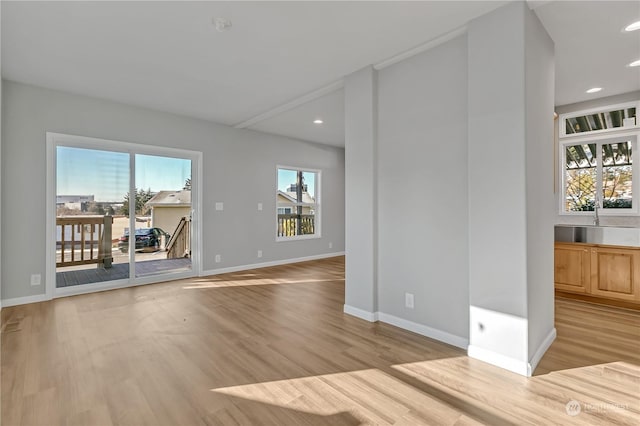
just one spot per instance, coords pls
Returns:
(596, 217)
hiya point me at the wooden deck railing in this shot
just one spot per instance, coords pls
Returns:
(180, 243)
(290, 225)
(83, 240)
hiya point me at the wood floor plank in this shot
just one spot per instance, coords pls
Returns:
(272, 346)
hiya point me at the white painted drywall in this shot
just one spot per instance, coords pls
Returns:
(510, 187)
(497, 198)
(239, 170)
(361, 191)
(422, 189)
(539, 145)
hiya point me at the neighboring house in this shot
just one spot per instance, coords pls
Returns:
(168, 207)
(74, 202)
(286, 201)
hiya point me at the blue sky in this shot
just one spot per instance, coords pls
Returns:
(287, 177)
(105, 174)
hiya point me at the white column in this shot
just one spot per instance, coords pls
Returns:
(510, 186)
(360, 194)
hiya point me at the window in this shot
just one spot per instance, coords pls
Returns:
(599, 171)
(599, 120)
(297, 204)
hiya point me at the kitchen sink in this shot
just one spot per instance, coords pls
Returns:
(606, 235)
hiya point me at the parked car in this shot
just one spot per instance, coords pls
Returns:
(149, 239)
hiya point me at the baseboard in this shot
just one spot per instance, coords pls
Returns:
(24, 300)
(542, 349)
(269, 264)
(516, 366)
(62, 292)
(360, 313)
(424, 330)
(512, 364)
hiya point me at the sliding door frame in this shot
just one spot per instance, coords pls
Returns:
(53, 140)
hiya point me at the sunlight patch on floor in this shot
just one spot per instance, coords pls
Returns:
(372, 396)
(201, 283)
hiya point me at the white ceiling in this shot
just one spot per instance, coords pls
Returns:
(592, 50)
(168, 56)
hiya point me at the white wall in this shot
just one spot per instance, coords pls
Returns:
(539, 145)
(497, 198)
(510, 187)
(361, 193)
(239, 170)
(464, 188)
(422, 189)
(580, 106)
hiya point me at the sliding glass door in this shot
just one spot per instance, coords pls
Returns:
(124, 213)
(90, 185)
(163, 215)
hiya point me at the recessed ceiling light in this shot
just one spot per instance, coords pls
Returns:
(317, 121)
(594, 89)
(633, 27)
(635, 63)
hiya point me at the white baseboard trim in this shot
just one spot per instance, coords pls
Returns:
(360, 313)
(516, 366)
(269, 264)
(537, 356)
(24, 300)
(421, 329)
(424, 330)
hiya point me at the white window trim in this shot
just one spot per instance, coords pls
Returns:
(600, 139)
(317, 205)
(562, 126)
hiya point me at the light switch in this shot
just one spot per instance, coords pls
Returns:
(259, 206)
(219, 206)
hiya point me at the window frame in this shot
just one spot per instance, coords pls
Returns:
(562, 130)
(601, 139)
(315, 206)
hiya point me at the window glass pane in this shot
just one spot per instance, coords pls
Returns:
(296, 202)
(90, 186)
(580, 177)
(600, 121)
(617, 175)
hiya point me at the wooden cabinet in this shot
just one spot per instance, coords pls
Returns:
(604, 272)
(615, 273)
(572, 267)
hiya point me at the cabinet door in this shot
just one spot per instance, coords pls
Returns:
(572, 270)
(615, 273)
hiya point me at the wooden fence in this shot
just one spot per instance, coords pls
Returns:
(180, 243)
(83, 240)
(290, 225)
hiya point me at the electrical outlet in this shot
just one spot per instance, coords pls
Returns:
(218, 258)
(259, 253)
(408, 300)
(36, 279)
(259, 206)
(219, 206)
(330, 245)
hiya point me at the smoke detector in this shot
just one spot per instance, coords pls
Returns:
(221, 24)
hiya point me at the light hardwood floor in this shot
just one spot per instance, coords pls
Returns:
(273, 347)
